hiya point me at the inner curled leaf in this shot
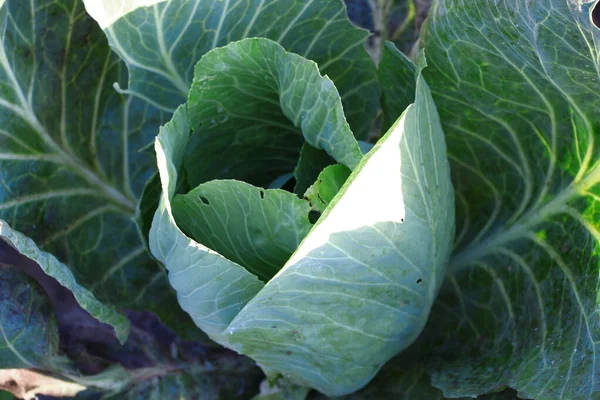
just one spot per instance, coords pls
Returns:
(252, 105)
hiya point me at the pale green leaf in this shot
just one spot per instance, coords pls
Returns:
(57, 270)
(381, 247)
(517, 86)
(211, 288)
(162, 43)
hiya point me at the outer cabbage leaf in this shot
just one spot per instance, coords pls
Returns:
(406, 377)
(28, 331)
(359, 287)
(70, 163)
(161, 44)
(54, 268)
(222, 376)
(517, 86)
(211, 288)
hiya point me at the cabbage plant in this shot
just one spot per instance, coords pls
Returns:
(304, 210)
(325, 305)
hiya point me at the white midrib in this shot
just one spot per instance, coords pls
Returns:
(525, 224)
(68, 159)
(176, 79)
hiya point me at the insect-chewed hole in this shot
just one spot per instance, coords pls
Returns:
(204, 200)
(419, 281)
(313, 216)
(596, 15)
(262, 194)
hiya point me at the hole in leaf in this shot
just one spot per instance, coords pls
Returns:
(596, 15)
(402, 220)
(289, 185)
(419, 281)
(262, 194)
(313, 216)
(204, 200)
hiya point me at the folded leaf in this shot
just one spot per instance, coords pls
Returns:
(211, 288)
(360, 286)
(162, 43)
(258, 229)
(57, 270)
(251, 107)
(517, 86)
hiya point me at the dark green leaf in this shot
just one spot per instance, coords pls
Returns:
(70, 153)
(6, 396)
(28, 331)
(57, 270)
(223, 376)
(517, 86)
(310, 164)
(397, 76)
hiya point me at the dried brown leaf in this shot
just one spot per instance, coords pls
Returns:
(26, 384)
